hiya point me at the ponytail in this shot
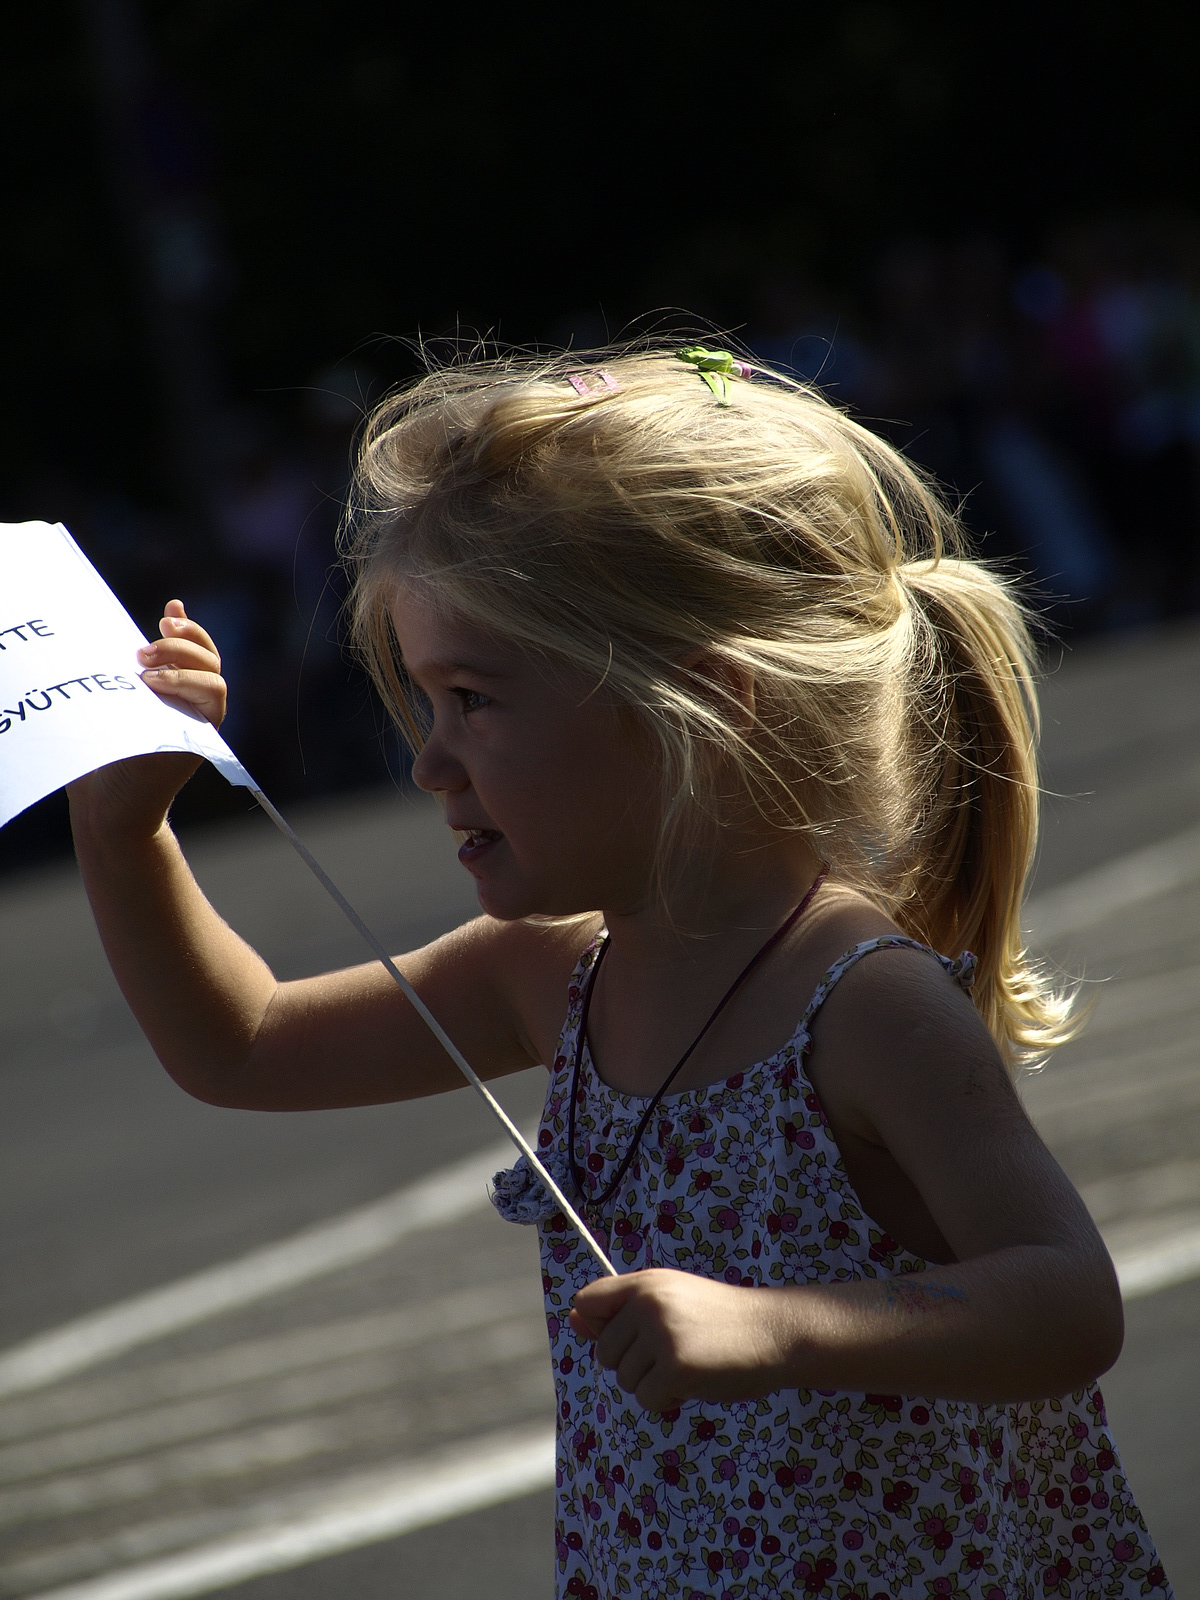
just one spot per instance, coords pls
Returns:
(973, 712)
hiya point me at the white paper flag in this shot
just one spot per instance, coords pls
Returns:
(71, 694)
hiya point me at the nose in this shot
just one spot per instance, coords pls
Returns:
(435, 770)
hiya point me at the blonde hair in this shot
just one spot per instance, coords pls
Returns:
(640, 525)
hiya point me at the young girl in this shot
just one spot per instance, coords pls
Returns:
(741, 753)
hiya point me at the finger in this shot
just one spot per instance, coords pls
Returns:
(604, 1297)
(590, 1329)
(174, 608)
(182, 627)
(205, 692)
(181, 653)
(616, 1340)
(653, 1395)
(637, 1362)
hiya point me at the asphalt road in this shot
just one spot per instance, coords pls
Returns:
(112, 1182)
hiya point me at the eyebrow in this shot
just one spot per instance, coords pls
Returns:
(451, 669)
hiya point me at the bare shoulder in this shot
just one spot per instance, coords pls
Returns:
(897, 1031)
(526, 965)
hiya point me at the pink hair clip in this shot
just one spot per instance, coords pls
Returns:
(582, 387)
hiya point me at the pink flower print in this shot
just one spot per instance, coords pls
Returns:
(726, 1220)
(1123, 1550)
(800, 1136)
(666, 1221)
(852, 1539)
(898, 1496)
(583, 1442)
(814, 1575)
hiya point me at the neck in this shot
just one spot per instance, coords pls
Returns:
(728, 897)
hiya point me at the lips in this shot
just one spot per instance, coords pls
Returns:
(477, 843)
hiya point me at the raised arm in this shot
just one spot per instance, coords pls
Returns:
(218, 1020)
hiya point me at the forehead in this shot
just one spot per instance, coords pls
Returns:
(435, 642)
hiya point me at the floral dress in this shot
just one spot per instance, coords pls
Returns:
(804, 1492)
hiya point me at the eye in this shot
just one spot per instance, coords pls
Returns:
(471, 699)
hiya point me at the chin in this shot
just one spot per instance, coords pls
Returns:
(505, 903)
(514, 902)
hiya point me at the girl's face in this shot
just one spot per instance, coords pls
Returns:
(555, 791)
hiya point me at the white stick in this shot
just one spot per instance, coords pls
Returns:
(439, 1033)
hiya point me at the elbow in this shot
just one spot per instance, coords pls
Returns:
(1097, 1326)
(224, 1090)
(1108, 1333)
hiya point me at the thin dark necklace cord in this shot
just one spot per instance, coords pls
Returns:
(581, 1039)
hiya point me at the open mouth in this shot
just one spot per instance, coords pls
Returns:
(476, 843)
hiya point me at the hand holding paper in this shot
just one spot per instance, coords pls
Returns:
(132, 797)
(71, 694)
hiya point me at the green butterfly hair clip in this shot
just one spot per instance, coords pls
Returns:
(714, 366)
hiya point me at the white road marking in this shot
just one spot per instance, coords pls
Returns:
(481, 1472)
(1156, 869)
(298, 1350)
(443, 1197)
(378, 1375)
(1173, 1257)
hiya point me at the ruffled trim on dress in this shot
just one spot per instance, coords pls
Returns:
(519, 1194)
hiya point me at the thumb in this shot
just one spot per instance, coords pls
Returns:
(595, 1305)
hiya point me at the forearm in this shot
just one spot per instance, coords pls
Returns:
(1022, 1323)
(199, 992)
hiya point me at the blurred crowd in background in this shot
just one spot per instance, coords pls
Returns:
(1057, 400)
(216, 234)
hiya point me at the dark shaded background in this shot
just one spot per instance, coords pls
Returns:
(226, 222)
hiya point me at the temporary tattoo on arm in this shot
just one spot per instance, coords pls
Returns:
(914, 1297)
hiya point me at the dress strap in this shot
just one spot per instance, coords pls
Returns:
(961, 969)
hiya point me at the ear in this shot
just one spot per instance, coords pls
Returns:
(727, 684)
